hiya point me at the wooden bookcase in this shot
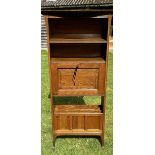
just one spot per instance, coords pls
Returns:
(78, 59)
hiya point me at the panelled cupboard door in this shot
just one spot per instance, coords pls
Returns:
(78, 79)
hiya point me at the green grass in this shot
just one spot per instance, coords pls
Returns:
(74, 145)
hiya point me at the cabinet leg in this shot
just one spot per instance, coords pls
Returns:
(54, 139)
(102, 140)
(103, 120)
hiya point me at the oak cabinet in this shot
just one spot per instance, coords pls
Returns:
(78, 59)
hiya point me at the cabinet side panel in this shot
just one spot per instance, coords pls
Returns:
(54, 79)
(103, 99)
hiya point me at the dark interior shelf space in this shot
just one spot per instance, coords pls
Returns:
(78, 30)
(78, 50)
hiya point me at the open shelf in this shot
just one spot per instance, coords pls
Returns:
(77, 38)
(78, 30)
(78, 50)
(84, 40)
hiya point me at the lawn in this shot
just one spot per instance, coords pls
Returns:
(74, 145)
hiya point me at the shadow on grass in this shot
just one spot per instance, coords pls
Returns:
(69, 100)
(80, 136)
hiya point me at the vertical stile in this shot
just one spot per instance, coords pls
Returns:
(85, 122)
(106, 70)
(71, 127)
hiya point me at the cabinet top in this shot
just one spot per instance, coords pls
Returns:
(52, 6)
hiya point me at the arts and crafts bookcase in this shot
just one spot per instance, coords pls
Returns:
(78, 59)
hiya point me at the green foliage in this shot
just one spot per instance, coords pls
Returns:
(74, 145)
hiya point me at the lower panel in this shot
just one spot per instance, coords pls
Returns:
(78, 120)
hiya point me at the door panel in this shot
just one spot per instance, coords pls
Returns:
(78, 79)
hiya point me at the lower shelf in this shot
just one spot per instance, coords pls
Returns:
(77, 109)
(79, 132)
(77, 120)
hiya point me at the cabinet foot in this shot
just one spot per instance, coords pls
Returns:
(102, 140)
(54, 139)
